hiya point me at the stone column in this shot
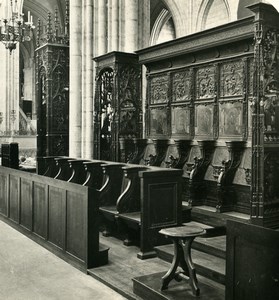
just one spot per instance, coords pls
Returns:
(102, 27)
(109, 25)
(115, 25)
(131, 25)
(75, 79)
(3, 89)
(88, 95)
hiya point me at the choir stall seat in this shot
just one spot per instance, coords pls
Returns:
(149, 202)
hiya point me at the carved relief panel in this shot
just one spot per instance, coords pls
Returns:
(233, 100)
(158, 121)
(130, 102)
(205, 102)
(159, 106)
(159, 89)
(181, 105)
(118, 104)
(52, 73)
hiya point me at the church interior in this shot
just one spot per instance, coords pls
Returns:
(139, 142)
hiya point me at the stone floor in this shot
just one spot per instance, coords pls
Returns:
(28, 271)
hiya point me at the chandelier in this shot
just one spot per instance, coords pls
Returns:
(13, 29)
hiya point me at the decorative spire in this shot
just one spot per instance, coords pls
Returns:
(56, 23)
(38, 33)
(49, 28)
(53, 32)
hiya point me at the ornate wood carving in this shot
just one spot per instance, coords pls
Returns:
(159, 89)
(232, 75)
(138, 154)
(52, 80)
(205, 82)
(181, 86)
(118, 104)
(225, 191)
(197, 185)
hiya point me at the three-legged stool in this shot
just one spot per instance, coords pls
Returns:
(182, 238)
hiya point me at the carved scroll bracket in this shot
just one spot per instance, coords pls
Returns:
(226, 176)
(196, 183)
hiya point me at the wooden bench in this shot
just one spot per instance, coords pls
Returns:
(59, 215)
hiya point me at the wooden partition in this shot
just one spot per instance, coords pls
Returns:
(61, 216)
(252, 263)
(161, 206)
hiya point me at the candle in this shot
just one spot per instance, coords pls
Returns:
(28, 16)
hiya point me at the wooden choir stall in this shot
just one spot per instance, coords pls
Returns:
(198, 151)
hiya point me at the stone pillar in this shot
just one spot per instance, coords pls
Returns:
(131, 25)
(3, 89)
(88, 92)
(75, 79)
(109, 25)
(102, 27)
(115, 25)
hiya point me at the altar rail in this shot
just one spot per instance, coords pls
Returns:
(59, 215)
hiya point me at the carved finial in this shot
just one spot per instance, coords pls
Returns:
(38, 32)
(56, 23)
(67, 18)
(49, 27)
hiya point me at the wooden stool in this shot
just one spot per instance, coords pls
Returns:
(182, 238)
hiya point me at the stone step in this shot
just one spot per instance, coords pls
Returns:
(214, 242)
(215, 246)
(207, 265)
(149, 287)
(208, 215)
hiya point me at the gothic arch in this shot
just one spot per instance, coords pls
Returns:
(178, 18)
(164, 19)
(204, 11)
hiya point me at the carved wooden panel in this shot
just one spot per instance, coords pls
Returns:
(231, 79)
(52, 77)
(181, 86)
(206, 82)
(159, 89)
(195, 152)
(158, 121)
(271, 175)
(128, 119)
(204, 120)
(129, 100)
(180, 120)
(59, 120)
(230, 119)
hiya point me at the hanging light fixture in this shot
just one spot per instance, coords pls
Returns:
(13, 29)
